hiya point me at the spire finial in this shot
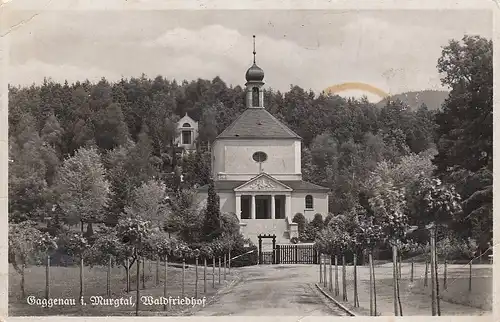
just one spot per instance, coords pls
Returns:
(254, 49)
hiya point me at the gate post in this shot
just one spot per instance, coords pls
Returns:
(274, 249)
(278, 254)
(315, 256)
(260, 249)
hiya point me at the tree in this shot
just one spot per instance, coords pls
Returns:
(148, 202)
(212, 226)
(465, 126)
(112, 130)
(185, 218)
(82, 188)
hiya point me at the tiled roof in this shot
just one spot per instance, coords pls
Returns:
(257, 123)
(296, 185)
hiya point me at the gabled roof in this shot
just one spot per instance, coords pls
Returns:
(295, 185)
(263, 182)
(257, 123)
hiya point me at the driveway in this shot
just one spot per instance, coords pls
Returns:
(273, 290)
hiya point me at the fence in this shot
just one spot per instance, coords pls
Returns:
(146, 277)
(296, 254)
(463, 287)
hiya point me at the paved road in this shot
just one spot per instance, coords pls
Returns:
(273, 290)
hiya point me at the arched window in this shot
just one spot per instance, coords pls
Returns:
(186, 125)
(309, 202)
(255, 97)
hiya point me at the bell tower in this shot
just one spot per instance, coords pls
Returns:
(254, 84)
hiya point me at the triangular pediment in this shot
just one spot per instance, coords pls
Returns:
(262, 182)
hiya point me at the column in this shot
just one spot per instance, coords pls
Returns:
(273, 207)
(288, 207)
(238, 206)
(252, 214)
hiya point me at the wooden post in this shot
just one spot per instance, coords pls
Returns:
(374, 287)
(320, 268)
(411, 274)
(395, 279)
(433, 273)
(344, 286)
(445, 282)
(108, 278)
(330, 284)
(229, 263)
(470, 276)
(325, 281)
(23, 291)
(337, 290)
(183, 276)
(426, 273)
(219, 269)
(370, 262)
(127, 271)
(157, 279)
(205, 275)
(143, 275)
(213, 272)
(81, 277)
(196, 278)
(137, 291)
(225, 264)
(165, 282)
(438, 302)
(356, 299)
(47, 278)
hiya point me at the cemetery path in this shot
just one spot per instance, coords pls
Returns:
(273, 290)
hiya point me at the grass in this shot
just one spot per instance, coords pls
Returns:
(65, 283)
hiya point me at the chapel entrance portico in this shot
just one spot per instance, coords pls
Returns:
(263, 197)
(261, 206)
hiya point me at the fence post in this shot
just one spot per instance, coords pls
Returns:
(127, 271)
(445, 284)
(370, 262)
(411, 276)
(219, 269)
(204, 275)
(433, 273)
(143, 274)
(213, 272)
(196, 278)
(225, 264)
(470, 276)
(47, 278)
(426, 273)
(330, 285)
(278, 247)
(229, 263)
(320, 268)
(157, 279)
(356, 299)
(137, 294)
(183, 275)
(395, 278)
(108, 278)
(296, 254)
(325, 281)
(337, 291)
(165, 282)
(81, 278)
(344, 286)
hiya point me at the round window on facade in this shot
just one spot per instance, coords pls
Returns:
(259, 156)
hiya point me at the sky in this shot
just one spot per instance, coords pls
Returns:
(393, 50)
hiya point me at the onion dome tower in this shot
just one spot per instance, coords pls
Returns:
(254, 84)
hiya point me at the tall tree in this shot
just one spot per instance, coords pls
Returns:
(82, 188)
(212, 226)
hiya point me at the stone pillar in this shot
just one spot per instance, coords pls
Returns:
(273, 207)
(252, 214)
(238, 206)
(288, 207)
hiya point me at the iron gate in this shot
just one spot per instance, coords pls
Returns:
(287, 254)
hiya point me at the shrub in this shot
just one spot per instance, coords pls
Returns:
(294, 240)
(301, 222)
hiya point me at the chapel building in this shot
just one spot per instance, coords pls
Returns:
(256, 167)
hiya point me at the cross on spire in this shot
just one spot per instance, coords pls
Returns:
(254, 49)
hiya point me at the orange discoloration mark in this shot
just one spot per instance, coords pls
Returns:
(356, 86)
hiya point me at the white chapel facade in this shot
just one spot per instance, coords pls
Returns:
(256, 167)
